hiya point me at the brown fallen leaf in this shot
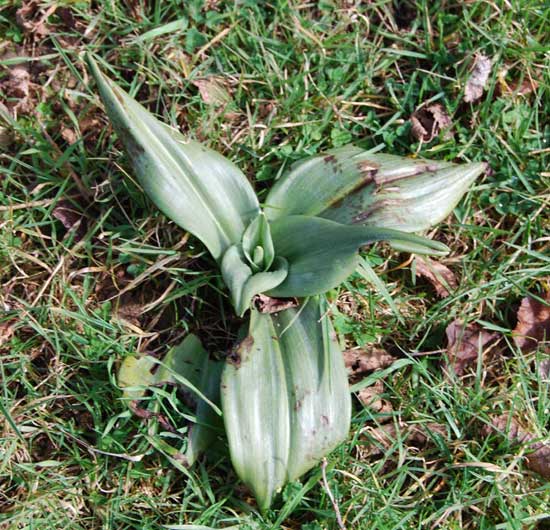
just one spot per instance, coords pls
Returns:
(360, 361)
(371, 398)
(464, 341)
(31, 18)
(428, 121)
(66, 15)
(266, 304)
(515, 88)
(440, 276)
(382, 438)
(478, 78)
(6, 137)
(533, 324)
(213, 90)
(69, 135)
(16, 87)
(129, 312)
(71, 218)
(6, 331)
(537, 451)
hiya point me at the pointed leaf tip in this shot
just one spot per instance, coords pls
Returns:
(353, 186)
(285, 398)
(194, 186)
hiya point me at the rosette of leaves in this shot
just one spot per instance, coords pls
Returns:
(283, 390)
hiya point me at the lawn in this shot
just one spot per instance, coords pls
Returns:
(91, 272)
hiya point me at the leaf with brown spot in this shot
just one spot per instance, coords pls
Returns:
(71, 218)
(533, 324)
(360, 361)
(213, 90)
(478, 78)
(465, 341)
(415, 434)
(537, 456)
(428, 121)
(267, 304)
(440, 276)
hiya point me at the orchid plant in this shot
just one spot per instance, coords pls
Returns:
(282, 392)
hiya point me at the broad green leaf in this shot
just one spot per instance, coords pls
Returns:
(322, 254)
(189, 364)
(313, 185)
(353, 186)
(317, 380)
(194, 186)
(208, 423)
(285, 398)
(256, 410)
(235, 272)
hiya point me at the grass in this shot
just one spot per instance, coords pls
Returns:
(301, 78)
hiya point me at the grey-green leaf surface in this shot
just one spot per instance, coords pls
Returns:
(353, 186)
(256, 410)
(243, 283)
(317, 381)
(188, 361)
(299, 411)
(258, 236)
(322, 254)
(196, 187)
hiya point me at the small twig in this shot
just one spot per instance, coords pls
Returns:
(331, 496)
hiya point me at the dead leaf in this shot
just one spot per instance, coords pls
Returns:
(371, 398)
(69, 135)
(428, 121)
(533, 323)
(538, 452)
(32, 19)
(6, 137)
(478, 78)
(71, 218)
(129, 312)
(464, 341)
(16, 86)
(6, 331)
(213, 90)
(359, 361)
(384, 437)
(440, 276)
(266, 304)
(66, 15)
(515, 88)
